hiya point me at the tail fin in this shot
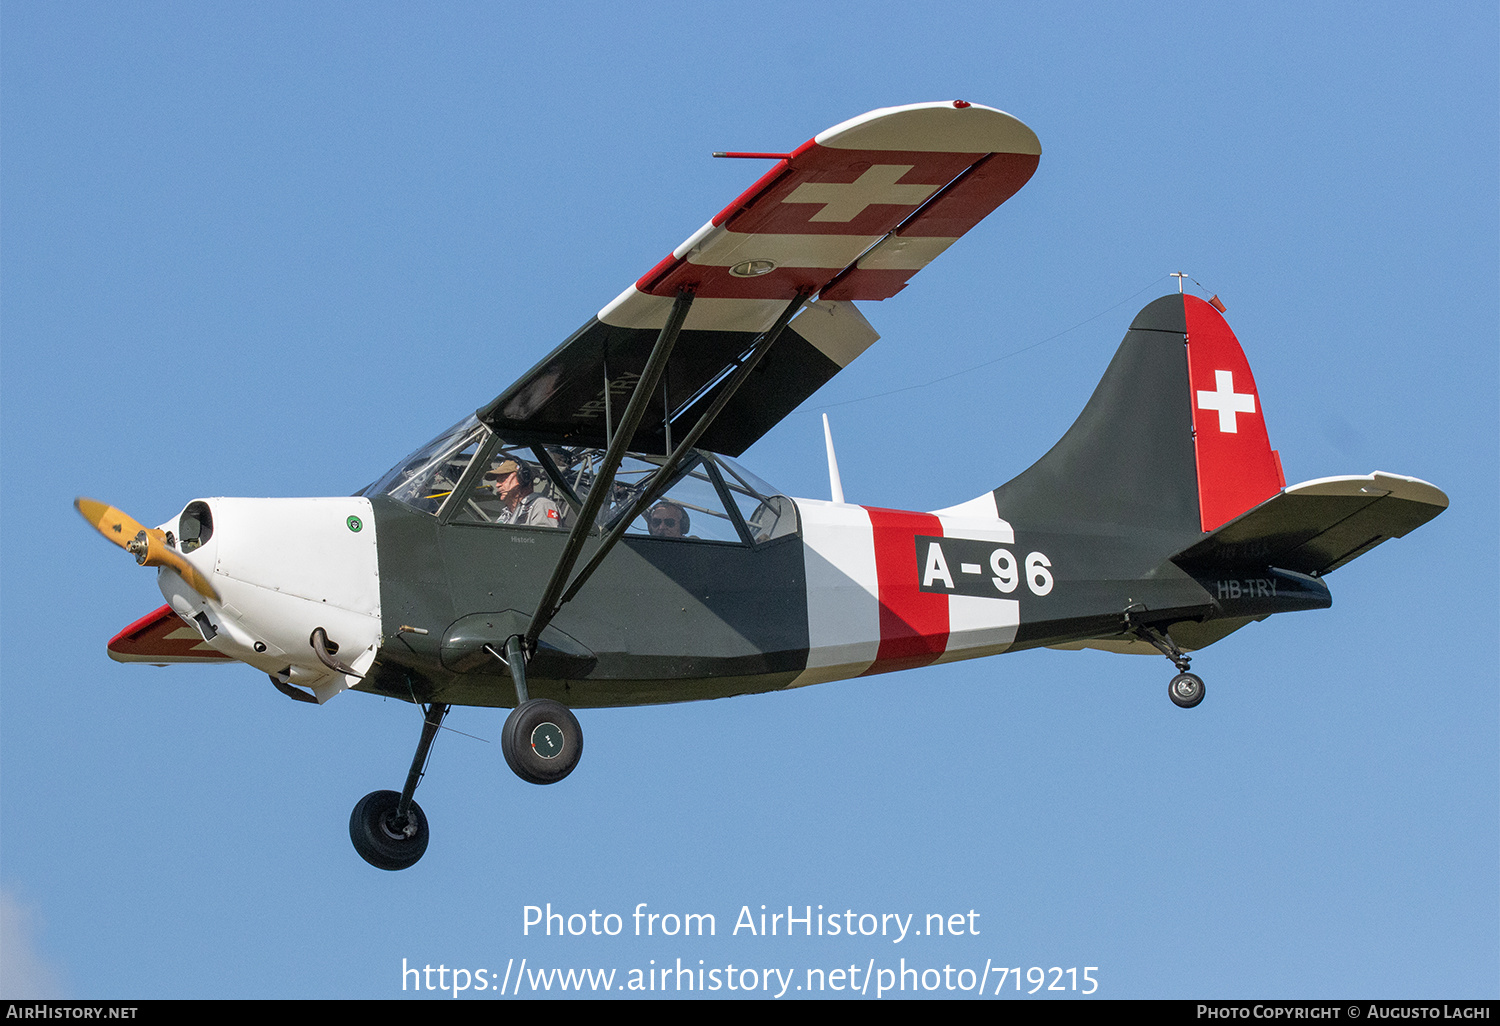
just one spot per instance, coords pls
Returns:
(1172, 443)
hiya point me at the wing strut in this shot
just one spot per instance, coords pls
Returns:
(645, 392)
(663, 475)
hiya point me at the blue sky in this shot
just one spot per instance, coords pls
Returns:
(266, 249)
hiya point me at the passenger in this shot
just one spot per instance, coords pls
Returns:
(621, 498)
(512, 483)
(667, 520)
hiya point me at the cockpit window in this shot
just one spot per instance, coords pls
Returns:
(428, 476)
(709, 499)
(511, 488)
(768, 514)
(692, 507)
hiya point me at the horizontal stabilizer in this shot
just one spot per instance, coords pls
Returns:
(161, 637)
(1320, 525)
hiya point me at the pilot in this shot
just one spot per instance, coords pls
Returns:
(512, 482)
(667, 520)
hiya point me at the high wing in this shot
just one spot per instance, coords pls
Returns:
(849, 215)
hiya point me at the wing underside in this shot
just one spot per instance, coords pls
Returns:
(161, 637)
(850, 215)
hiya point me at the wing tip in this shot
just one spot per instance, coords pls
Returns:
(934, 126)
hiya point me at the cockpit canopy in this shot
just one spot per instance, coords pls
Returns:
(456, 477)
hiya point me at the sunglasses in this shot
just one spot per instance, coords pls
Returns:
(663, 521)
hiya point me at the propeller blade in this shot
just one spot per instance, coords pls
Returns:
(148, 545)
(118, 527)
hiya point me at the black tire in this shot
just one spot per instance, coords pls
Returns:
(542, 741)
(376, 838)
(1186, 690)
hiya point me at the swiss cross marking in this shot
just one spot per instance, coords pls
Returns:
(844, 201)
(1226, 401)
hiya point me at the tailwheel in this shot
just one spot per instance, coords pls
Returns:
(542, 741)
(1186, 690)
(384, 839)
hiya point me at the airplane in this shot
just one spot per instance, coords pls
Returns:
(587, 538)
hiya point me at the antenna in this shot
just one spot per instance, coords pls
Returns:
(834, 484)
(1215, 302)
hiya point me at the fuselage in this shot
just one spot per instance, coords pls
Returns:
(418, 608)
(853, 591)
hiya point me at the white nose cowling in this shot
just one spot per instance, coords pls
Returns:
(283, 568)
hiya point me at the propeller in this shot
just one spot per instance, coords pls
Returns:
(148, 545)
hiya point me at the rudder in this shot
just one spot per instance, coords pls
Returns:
(1237, 468)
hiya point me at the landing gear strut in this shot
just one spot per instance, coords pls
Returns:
(1186, 689)
(542, 740)
(389, 829)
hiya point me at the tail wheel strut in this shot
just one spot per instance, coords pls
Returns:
(1186, 689)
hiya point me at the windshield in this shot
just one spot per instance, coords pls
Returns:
(426, 477)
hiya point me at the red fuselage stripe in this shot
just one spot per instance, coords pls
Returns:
(913, 623)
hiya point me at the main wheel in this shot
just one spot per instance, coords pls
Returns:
(379, 839)
(1186, 690)
(542, 741)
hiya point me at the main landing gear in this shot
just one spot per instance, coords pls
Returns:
(388, 829)
(1186, 689)
(541, 741)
